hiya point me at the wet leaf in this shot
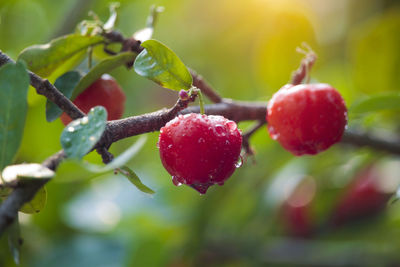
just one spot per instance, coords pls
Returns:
(158, 63)
(79, 136)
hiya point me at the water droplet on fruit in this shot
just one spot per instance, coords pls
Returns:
(201, 140)
(201, 188)
(227, 142)
(71, 129)
(169, 146)
(220, 129)
(175, 181)
(84, 120)
(232, 125)
(239, 163)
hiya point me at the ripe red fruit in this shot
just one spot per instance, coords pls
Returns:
(200, 150)
(364, 197)
(103, 92)
(296, 212)
(307, 118)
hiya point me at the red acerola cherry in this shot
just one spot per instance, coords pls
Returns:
(306, 118)
(103, 92)
(364, 197)
(296, 212)
(200, 150)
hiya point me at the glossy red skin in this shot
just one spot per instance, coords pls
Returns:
(362, 199)
(200, 150)
(103, 92)
(307, 118)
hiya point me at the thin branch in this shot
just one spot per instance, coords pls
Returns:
(25, 193)
(136, 125)
(363, 139)
(234, 110)
(45, 88)
(246, 137)
(206, 89)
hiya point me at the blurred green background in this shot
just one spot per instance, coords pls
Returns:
(246, 50)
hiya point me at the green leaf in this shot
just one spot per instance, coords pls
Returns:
(376, 103)
(79, 137)
(37, 203)
(26, 172)
(102, 67)
(66, 84)
(15, 240)
(134, 179)
(158, 63)
(14, 82)
(72, 170)
(45, 59)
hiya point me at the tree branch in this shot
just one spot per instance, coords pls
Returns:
(136, 125)
(45, 88)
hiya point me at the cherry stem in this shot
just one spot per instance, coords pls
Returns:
(303, 72)
(201, 102)
(197, 92)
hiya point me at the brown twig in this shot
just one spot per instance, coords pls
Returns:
(136, 125)
(45, 88)
(246, 137)
(207, 90)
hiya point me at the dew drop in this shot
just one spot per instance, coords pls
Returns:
(92, 138)
(239, 163)
(84, 120)
(201, 140)
(220, 129)
(175, 181)
(71, 129)
(201, 188)
(169, 146)
(232, 125)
